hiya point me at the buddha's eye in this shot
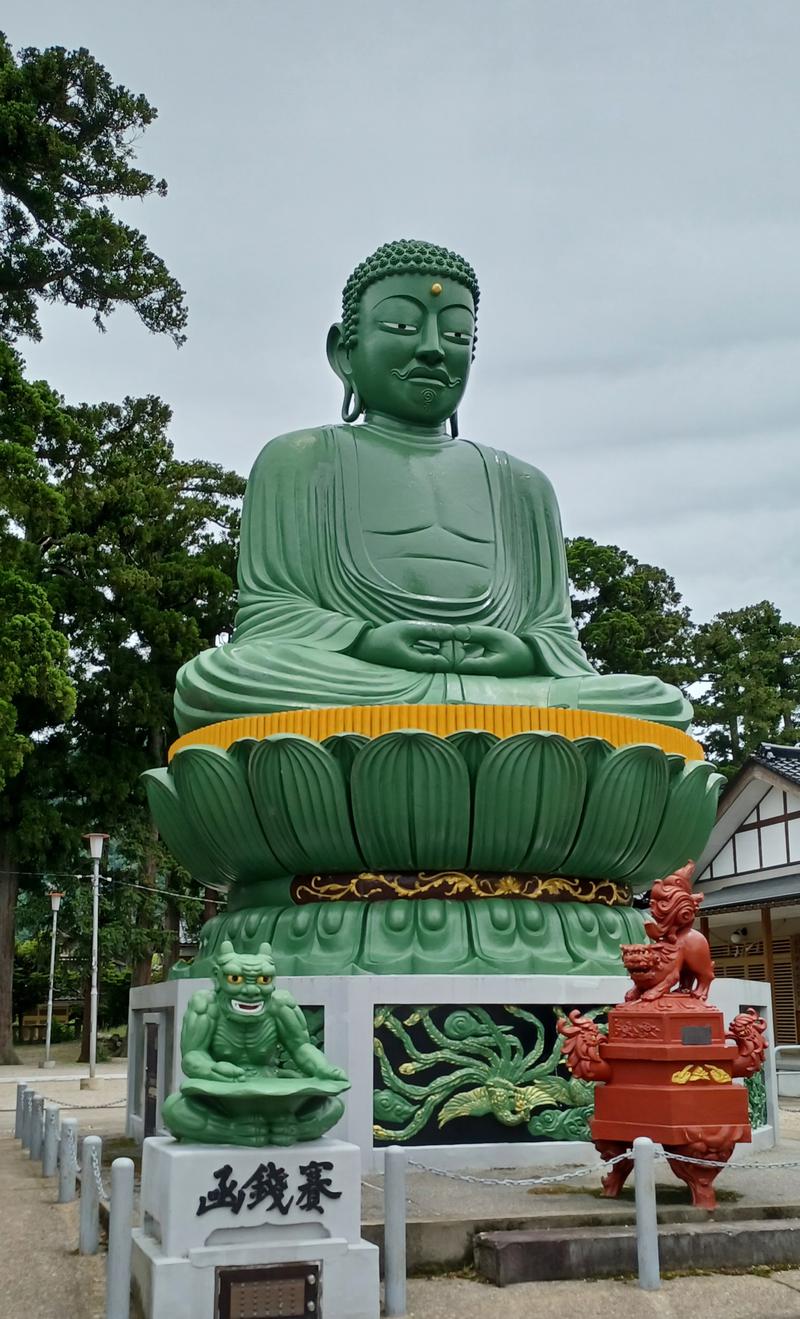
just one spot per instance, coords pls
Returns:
(234, 980)
(457, 336)
(263, 980)
(398, 327)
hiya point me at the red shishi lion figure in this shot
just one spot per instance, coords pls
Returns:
(748, 1034)
(665, 1067)
(679, 955)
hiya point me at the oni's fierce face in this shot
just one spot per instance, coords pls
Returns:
(245, 981)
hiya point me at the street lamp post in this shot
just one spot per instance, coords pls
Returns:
(55, 903)
(95, 841)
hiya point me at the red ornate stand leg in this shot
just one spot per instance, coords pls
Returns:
(700, 1180)
(614, 1180)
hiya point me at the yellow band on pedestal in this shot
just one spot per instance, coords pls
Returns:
(502, 720)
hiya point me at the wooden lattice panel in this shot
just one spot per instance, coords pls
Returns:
(746, 962)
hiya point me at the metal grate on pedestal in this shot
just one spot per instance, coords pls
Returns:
(275, 1291)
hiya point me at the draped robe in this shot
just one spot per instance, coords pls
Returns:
(308, 590)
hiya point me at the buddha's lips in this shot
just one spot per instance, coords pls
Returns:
(239, 1005)
(428, 376)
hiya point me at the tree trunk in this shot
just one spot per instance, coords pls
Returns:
(142, 971)
(9, 884)
(86, 1027)
(172, 919)
(733, 734)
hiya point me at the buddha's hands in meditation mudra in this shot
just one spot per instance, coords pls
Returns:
(387, 561)
(446, 648)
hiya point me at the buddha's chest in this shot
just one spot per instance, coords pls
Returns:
(427, 518)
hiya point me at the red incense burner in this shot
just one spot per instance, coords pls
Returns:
(666, 1065)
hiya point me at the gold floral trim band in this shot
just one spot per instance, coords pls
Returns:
(370, 887)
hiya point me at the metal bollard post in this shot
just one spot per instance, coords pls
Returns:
(118, 1273)
(27, 1104)
(21, 1088)
(67, 1160)
(50, 1143)
(646, 1218)
(37, 1123)
(89, 1225)
(395, 1167)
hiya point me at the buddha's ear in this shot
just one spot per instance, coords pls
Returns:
(339, 355)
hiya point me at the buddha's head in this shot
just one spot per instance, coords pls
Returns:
(406, 340)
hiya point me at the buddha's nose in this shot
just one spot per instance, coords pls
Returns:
(430, 349)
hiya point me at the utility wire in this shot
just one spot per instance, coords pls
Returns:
(119, 883)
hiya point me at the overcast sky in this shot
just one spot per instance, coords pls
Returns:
(623, 174)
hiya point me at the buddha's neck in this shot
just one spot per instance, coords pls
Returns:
(406, 430)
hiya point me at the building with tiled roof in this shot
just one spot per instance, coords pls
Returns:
(750, 875)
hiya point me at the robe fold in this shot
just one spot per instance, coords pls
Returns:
(308, 590)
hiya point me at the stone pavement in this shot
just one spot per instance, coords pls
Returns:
(736, 1296)
(41, 1274)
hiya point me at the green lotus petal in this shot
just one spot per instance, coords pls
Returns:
(686, 823)
(217, 806)
(594, 752)
(411, 802)
(473, 745)
(344, 747)
(625, 805)
(528, 799)
(301, 798)
(243, 750)
(174, 828)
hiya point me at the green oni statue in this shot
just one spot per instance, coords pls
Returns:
(234, 1092)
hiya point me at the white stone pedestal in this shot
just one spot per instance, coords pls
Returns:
(208, 1209)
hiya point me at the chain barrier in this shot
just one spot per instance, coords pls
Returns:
(588, 1171)
(70, 1135)
(750, 1166)
(98, 1176)
(69, 1108)
(517, 1181)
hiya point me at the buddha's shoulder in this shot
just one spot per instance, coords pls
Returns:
(516, 467)
(297, 448)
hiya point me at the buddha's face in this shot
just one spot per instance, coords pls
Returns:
(414, 347)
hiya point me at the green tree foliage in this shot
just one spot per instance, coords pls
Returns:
(67, 146)
(629, 615)
(749, 663)
(140, 576)
(34, 687)
(68, 136)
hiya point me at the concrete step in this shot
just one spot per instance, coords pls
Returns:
(545, 1254)
(447, 1242)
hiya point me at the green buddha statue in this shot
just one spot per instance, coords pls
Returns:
(387, 560)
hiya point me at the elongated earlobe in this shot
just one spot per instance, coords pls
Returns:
(454, 425)
(352, 407)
